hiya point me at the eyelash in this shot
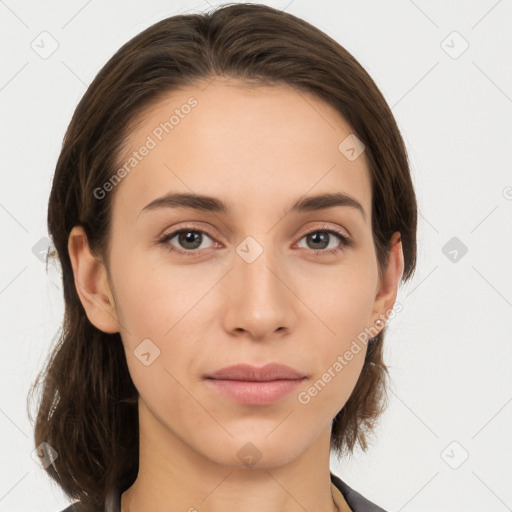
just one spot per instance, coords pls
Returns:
(345, 241)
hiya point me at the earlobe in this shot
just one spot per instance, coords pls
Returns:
(388, 286)
(91, 283)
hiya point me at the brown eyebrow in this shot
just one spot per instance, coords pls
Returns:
(212, 204)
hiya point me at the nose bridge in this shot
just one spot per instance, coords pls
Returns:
(260, 302)
(255, 265)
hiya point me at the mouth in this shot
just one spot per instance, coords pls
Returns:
(250, 385)
(255, 392)
(246, 372)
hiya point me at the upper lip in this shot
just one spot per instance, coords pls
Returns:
(246, 372)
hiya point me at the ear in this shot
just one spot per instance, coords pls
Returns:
(388, 285)
(91, 283)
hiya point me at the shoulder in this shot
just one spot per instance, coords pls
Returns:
(357, 502)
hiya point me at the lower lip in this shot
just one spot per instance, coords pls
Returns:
(255, 393)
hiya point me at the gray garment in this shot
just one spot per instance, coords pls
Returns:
(356, 501)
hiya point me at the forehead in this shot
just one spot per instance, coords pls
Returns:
(250, 146)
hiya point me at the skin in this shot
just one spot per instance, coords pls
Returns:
(259, 150)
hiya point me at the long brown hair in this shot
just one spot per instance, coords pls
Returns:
(88, 411)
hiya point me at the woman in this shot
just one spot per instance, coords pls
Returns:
(233, 211)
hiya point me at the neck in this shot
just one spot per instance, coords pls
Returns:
(174, 474)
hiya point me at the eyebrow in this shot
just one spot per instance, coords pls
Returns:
(213, 204)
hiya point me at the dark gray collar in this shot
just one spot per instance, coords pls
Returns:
(356, 501)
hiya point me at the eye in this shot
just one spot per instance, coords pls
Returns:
(189, 238)
(322, 238)
(188, 241)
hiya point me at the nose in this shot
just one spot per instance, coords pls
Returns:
(260, 298)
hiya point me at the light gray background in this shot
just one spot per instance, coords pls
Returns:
(449, 349)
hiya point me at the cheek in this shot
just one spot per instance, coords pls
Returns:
(340, 361)
(149, 297)
(342, 303)
(156, 302)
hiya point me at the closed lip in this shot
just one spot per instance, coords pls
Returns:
(248, 373)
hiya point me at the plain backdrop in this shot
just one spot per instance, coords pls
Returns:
(445, 69)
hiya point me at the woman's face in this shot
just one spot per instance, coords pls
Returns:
(258, 283)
